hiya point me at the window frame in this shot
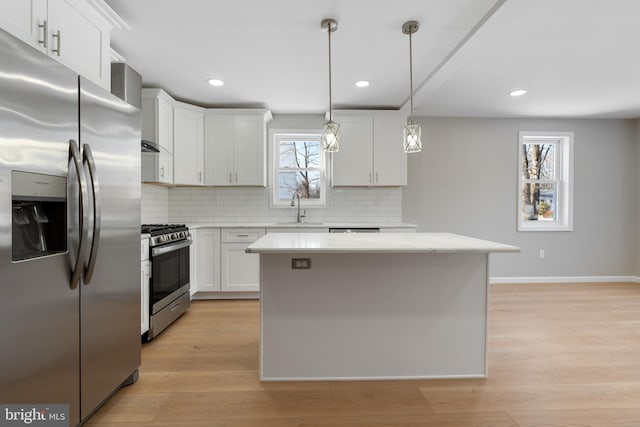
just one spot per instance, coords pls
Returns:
(277, 136)
(563, 179)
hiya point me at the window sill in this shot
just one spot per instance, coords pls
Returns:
(528, 228)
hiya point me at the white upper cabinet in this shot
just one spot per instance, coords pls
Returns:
(235, 147)
(370, 150)
(249, 149)
(76, 33)
(218, 149)
(200, 146)
(188, 140)
(157, 127)
(353, 164)
(389, 159)
(25, 19)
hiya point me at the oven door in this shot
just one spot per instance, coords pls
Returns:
(169, 273)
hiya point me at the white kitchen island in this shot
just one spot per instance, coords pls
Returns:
(373, 306)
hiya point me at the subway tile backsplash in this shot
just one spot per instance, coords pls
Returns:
(244, 205)
(155, 204)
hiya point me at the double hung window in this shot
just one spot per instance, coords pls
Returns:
(299, 169)
(545, 184)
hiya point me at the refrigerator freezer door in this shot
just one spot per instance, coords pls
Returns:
(39, 330)
(110, 301)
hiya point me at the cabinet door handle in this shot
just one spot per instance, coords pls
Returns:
(370, 178)
(57, 36)
(242, 235)
(161, 171)
(199, 176)
(45, 31)
(376, 177)
(236, 177)
(230, 178)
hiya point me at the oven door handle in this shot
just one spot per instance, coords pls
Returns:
(170, 248)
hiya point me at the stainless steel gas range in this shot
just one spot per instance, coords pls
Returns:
(169, 283)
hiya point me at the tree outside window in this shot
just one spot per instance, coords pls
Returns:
(299, 169)
(539, 186)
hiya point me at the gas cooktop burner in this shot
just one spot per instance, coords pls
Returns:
(157, 229)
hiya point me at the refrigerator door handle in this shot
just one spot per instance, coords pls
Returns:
(74, 154)
(87, 157)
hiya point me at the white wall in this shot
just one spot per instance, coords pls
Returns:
(465, 181)
(637, 236)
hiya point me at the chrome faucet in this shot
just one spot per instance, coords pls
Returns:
(293, 203)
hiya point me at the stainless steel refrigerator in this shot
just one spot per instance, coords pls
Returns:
(69, 235)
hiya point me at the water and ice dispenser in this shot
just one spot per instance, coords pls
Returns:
(39, 215)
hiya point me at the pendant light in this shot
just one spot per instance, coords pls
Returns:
(412, 131)
(329, 137)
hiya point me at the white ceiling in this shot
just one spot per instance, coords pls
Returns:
(577, 58)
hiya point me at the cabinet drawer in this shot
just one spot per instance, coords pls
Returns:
(248, 235)
(144, 249)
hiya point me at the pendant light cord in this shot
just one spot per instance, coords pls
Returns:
(411, 74)
(329, 32)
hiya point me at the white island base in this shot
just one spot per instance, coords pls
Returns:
(360, 314)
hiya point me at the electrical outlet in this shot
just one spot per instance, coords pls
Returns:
(541, 254)
(300, 263)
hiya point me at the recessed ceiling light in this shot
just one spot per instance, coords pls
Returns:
(215, 82)
(363, 83)
(518, 92)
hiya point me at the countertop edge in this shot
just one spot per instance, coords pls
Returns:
(196, 226)
(438, 243)
(378, 251)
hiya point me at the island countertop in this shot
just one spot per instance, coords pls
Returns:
(375, 243)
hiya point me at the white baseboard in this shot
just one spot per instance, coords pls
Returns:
(566, 279)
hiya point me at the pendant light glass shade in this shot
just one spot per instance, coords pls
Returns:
(329, 137)
(412, 134)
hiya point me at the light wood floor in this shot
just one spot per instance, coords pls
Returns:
(559, 355)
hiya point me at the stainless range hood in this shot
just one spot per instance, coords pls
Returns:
(126, 84)
(149, 147)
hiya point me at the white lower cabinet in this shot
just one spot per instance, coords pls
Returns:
(220, 268)
(240, 270)
(205, 254)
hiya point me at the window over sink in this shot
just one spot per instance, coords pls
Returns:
(298, 170)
